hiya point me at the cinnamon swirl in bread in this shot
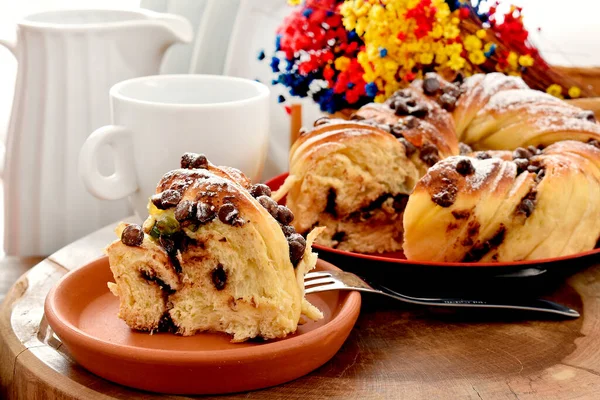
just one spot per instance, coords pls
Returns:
(541, 204)
(215, 254)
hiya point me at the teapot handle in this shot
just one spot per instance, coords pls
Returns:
(123, 181)
(10, 45)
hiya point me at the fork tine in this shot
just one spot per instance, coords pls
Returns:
(319, 281)
(323, 288)
(316, 274)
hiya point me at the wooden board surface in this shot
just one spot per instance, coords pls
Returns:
(394, 352)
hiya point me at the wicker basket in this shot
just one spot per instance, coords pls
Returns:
(588, 76)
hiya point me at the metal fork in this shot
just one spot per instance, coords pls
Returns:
(322, 281)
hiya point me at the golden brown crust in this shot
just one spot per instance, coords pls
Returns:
(542, 206)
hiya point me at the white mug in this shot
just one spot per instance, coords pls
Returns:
(156, 119)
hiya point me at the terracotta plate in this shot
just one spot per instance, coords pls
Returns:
(83, 313)
(390, 261)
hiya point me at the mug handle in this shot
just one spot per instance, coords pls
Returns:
(122, 182)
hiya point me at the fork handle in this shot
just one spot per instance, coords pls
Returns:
(538, 305)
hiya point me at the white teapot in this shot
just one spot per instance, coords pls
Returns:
(67, 62)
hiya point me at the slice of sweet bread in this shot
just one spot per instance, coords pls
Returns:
(215, 254)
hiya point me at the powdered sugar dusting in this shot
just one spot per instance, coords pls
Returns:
(560, 123)
(496, 82)
(517, 97)
(483, 170)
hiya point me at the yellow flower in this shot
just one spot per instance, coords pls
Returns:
(512, 60)
(477, 57)
(555, 90)
(361, 25)
(454, 48)
(481, 34)
(455, 21)
(441, 58)
(437, 31)
(443, 10)
(426, 58)
(574, 92)
(456, 62)
(377, 12)
(380, 98)
(526, 60)
(342, 63)
(472, 43)
(294, 2)
(451, 31)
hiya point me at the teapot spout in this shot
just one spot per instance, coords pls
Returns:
(180, 28)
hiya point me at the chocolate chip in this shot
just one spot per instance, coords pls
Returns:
(431, 86)
(168, 244)
(338, 237)
(321, 121)
(356, 117)
(464, 149)
(447, 102)
(445, 198)
(459, 78)
(402, 125)
(400, 108)
(185, 210)
(526, 207)
(150, 276)
(228, 214)
(156, 200)
(205, 212)
(409, 148)
(594, 143)
(419, 111)
(296, 237)
(288, 230)
(521, 164)
(400, 201)
(477, 252)
(429, 154)
(330, 206)
(193, 160)
(297, 245)
(411, 103)
(465, 167)
(534, 150)
(461, 214)
(132, 235)
(168, 199)
(587, 115)
(260, 190)
(269, 204)
(452, 90)
(410, 122)
(284, 215)
(520, 152)
(533, 168)
(398, 129)
(219, 277)
(166, 324)
(540, 175)
(482, 155)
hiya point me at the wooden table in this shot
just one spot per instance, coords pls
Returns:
(394, 352)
